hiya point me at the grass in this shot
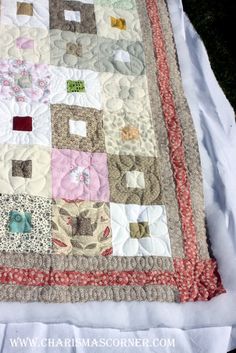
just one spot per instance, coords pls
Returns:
(215, 21)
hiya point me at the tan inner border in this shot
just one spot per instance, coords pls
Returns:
(84, 294)
(85, 264)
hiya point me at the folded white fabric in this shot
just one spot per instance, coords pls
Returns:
(64, 338)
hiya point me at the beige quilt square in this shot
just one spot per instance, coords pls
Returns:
(134, 180)
(24, 8)
(73, 16)
(129, 134)
(77, 128)
(81, 228)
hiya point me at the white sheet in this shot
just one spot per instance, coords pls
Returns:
(216, 129)
(112, 340)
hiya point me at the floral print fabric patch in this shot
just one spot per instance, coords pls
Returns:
(24, 82)
(81, 228)
(100, 188)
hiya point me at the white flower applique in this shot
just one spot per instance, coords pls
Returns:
(80, 175)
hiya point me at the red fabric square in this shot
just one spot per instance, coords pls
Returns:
(22, 123)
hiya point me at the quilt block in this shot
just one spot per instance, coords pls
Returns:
(74, 16)
(100, 176)
(28, 13)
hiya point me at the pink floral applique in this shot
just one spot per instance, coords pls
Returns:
(16, 88)
(42, 83)
(6, 83)
(80, 175)
(20, 99)
(24, 81)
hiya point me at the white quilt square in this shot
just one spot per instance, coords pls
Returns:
(91, 98)
(158, 241)
(122, 55)
(135, 179)
(40, 18)
(78, 127)
(72, 15)
(41, 123)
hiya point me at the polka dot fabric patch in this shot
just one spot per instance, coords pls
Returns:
(100, 190)
(75, 86)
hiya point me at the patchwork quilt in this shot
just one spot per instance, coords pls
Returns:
(100, 176)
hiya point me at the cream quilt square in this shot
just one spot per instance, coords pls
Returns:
(24, 43)
(38, 183)
(131, 30)
(125, 94)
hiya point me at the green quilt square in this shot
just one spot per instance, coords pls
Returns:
(75, 86)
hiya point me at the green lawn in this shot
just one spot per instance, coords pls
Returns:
(215, 21)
